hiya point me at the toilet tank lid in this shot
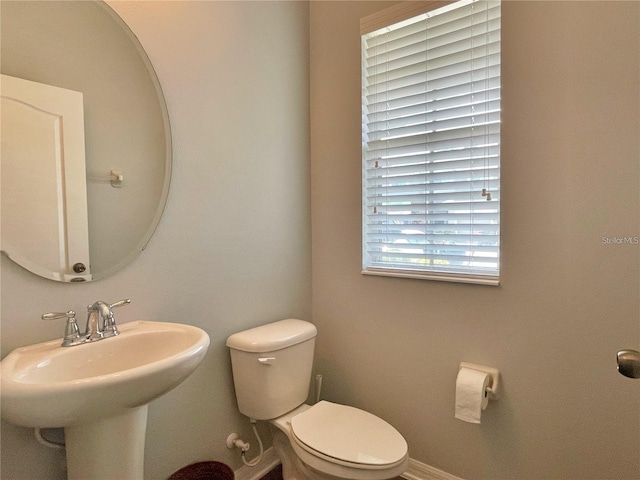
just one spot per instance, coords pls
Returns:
(272, 336)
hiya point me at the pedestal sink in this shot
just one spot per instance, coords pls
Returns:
(99, 392)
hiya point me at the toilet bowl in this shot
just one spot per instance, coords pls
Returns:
(337, 441)
(271, 372)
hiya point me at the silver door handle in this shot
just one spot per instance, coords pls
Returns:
(629, 363)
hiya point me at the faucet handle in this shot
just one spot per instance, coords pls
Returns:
(121, 303)
(110, 327)
(58, 315)
(71, 331)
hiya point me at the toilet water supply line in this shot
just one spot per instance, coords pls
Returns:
(234, 441)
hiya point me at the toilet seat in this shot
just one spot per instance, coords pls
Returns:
(348, 436)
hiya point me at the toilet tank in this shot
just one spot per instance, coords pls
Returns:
(272, 367)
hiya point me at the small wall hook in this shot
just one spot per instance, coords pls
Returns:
(115, 177)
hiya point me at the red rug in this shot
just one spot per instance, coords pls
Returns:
(204, 471)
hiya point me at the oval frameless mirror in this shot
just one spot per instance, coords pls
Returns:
(80, 52)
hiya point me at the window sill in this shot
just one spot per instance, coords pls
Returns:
(489, 280)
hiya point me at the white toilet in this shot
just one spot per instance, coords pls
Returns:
(272, 373)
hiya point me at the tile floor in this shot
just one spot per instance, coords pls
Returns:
(276, 474)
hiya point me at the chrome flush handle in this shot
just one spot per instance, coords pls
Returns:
(266, 360)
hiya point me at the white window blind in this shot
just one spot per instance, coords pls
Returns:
(431, 143)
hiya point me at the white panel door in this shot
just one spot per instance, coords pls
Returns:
(43, 179)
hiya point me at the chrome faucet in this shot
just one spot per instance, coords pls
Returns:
(101, 323)
(100, 320)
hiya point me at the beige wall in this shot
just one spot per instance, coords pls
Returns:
(567, 301)
(233, 247)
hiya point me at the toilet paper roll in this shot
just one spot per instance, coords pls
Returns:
(471, 394)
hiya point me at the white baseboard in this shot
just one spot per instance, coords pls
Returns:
(421, 471)
(417, 470)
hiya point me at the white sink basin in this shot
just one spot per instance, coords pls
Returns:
(46, 385)
(99, 389)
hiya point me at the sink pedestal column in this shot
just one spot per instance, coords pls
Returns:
(108, 448)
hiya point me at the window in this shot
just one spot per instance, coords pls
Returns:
(431, 141)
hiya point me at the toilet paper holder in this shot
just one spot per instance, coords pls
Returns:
(494, 375)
